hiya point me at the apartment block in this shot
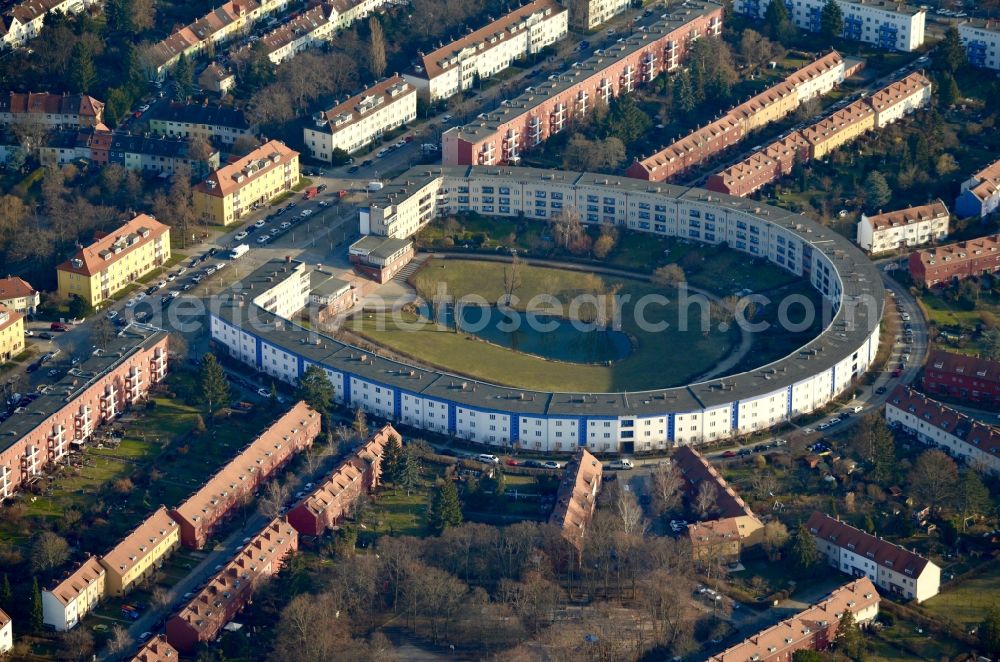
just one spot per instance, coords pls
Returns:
(18, 295)
(6, 633)
(893, 569)
(217, 78)
(310, 29)
(281, 287)
(972, 379)
(457, 66)
(202, 619)
(586, 15)
(141, 553)
(576, 498)
(812, 629)
(942, 265)
(67, 602)
(153, 154)
(356, 123)
(762, 167)
(980, 195)
(499, 136)
(329, 295)
(66, 413)
(21, 22)
(380, 258)
(332, 501)
(982, 42)
(936, 424)
(157, 649)
(11, 334)
(261, 459)
(238, 187)
(115, 260)
(217, 124)
(732, 526)
(345, 12)
(51, 110)
(884, 23)
(774, 103)
(904, 228)
(900, 98)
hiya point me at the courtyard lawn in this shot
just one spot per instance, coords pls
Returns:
(648, 366)
(966, 602)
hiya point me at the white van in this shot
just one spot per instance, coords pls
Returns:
(621, 463)
(488, 459)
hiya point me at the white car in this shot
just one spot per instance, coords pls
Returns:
(112, 314)
(323, 203)
(447, 118)
(260, 223)
(263, 239)
(182, 271)
(286, 225)
(382, 152)
(264, 393)
(306, 213)
(240, 236)
(161, 284)
(144, 107)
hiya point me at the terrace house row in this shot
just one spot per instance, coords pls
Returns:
(576, 498)
(972, 379)
(51, 110)
(22, 21)
(942, 265)
(903, 228)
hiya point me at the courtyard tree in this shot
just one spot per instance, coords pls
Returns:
(991, 344)
(392, 460)
(376, 47)
(183, 78)
(317, 391)
(446, 509)
(119, 640)
(775, 538)
(971, 495)
(667, 483)
(873, 441)
(360, 424)
(848, 638)
(37, 611)
(777, 23)
(949, 56)
(103, 332)
(933, 479)
(705, 499)
(409, 470)
(877, 191)
(803, 549)
(272, 500)
(511, 279)
(48, 551)
(831, 20)
(213, 385)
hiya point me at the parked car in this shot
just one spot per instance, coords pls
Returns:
(488, 458)
(622, 464)
(552, 464)
(240, 236)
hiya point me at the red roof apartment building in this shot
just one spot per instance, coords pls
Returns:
(772, 104)
(66, 413)
(943, 264)
(499, 136)
(332, 501)
(812, 629)
(962, 377)
(157, 649)
(232, 588)
(291, 433)
(51, 110)
(762, 167)
(576, 498)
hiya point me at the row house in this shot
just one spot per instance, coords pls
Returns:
(18, 295)
(141, 553)
(68, 601)
(157, 649)
(229, 591)
(499, 136)
(361, 120)
(812, 629)
(774, 103)
(971, 379)
(115, 260)
(903, 228)
(964, 438)
(310, 29)
(980, 194)
(587, 15)
(232, 484)
(900, 98)
(157, 154)
(576, 498)
(892, 568)
(243, 184)
(332, 501)
(883, 23)
(762, 167)
(345, 12)
(11, 334)
(213, 123)
(51, 111)
(982, 42)
(840, 128)
(21, 22)
(64, 415)
(942, 265)
(458, 65)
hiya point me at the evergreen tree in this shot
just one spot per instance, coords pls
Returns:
(81, 69)
(684, 99)
(877, 191)
(803, 551)
(989, 632)
(37, 613)
(971, 495)
(6, 594)
(831, 20)
(446, 510)
(947, 90)
(869, 524)
(392, 461)
(848, 637)
(409, 470)
(626, 120)
(777, 24)
(949, 55)
(315, 388)
(214, 386)
(183, 78)
(259, 69)
(117, 106)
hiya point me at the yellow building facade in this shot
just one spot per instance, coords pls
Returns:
(231, 192)
(141, 553)
(11, 334)
(96, 272)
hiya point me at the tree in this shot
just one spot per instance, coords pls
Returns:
(971, 495)
(77, 644)
(626, 120)
(991, 344)
(103, 332)
(48, 551)
(317, 391)
(81, 69)
(568, 233)
(604, 245)
(6, 594)
(213, 384)
(989, 632)
(831, 20)
(79, 308)
(183, 78)
(808, 655)
(119, 640)
(628, 512)
(684, 97)
(848, 639)
(873, 441)
(668, 274)
(775, 538)
(877, 191)
(376, 47)
(705, 499)
(777, 24)
(933, 478)
(360, 424)
(409, 471)
(392, 460)
(949, 56)
(803, 552)
(947, 89)
(273, 499)
(37, 611)
(511, 279)
(446, 509)
(667, 485)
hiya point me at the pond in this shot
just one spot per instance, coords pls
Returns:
(547, 336)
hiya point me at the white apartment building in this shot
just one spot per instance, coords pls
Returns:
(6, 633)
(23, 21)
(905, 228)
(489, 50)
(68, 602)
(982, 42)
(309, 29)
(586, 15)
(892, 568)
(354, 124)
(976, 444)
(883, 23)
(279, 286)
(345, 12)
(900, 98)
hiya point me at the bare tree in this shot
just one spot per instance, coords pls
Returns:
(376, 47)
(159, 597)
(775, 537)
(933, 478)
(360, 424)
(668, 274)
(118, 641)
(511, 278)
(705, 499)
(48, 551)
(103, 332)
(273, 499)
(667, 483)
(629, 513)
(667, 600)
(312, 459)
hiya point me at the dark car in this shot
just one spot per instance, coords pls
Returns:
(729, 454)
(881, 390)
(353, 169)
(532, 464)
(34, 366)
(321, 187)
(45, 335)
(213, 250)
(367, 162)
(290, 205)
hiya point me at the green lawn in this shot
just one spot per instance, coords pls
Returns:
(965, 603)
(645, 367)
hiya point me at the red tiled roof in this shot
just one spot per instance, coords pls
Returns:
(8, 317)
(51, 104)
(960, 364)
(157, 649)
(374, 98)
(898, 90)
(14, 287)
(961, 251)
(879, 550)
(984, 437)
(577, 496)
(987, 181)
(232, 176)
(110, 248)
(920, 213)
(696, 469)
(68, 589)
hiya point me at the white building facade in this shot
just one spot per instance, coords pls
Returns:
(67, 603)
(982, 43)
(905, 228)
(588, 14)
